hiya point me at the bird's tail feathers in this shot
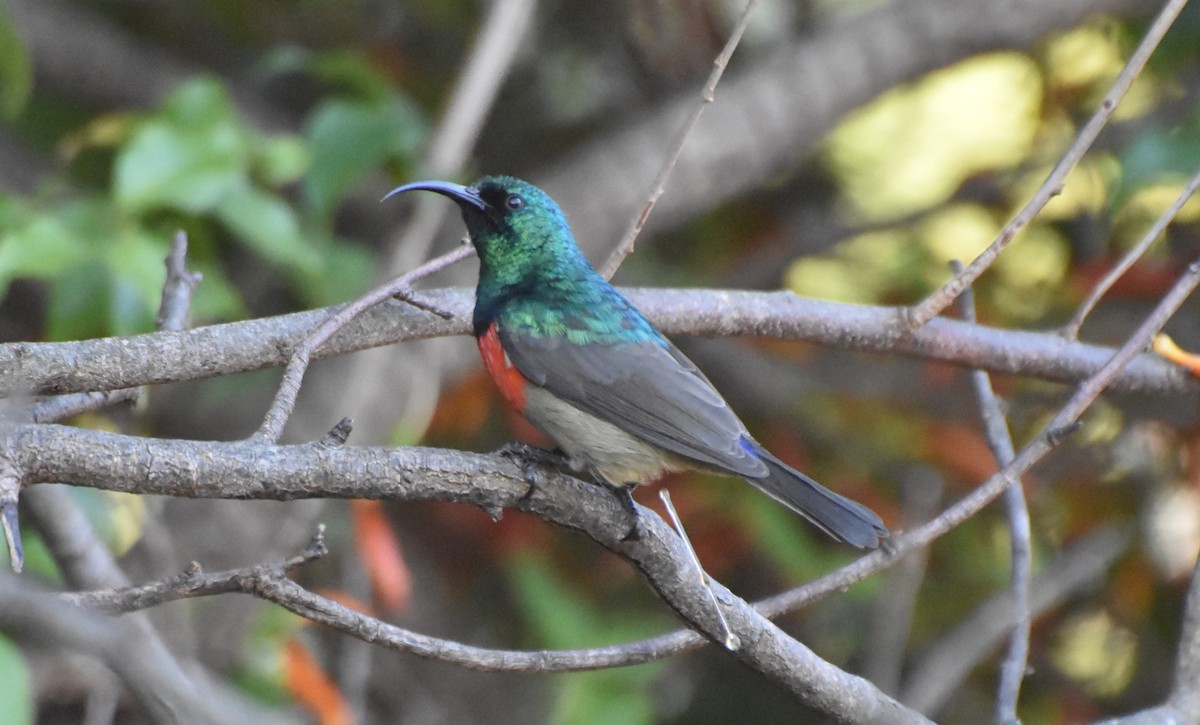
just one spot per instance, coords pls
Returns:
(836, 515)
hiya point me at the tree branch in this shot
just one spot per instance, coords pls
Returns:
(111, 363)
(999, 439)
(246, 470)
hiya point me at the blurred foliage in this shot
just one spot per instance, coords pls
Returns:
(926, 173)
(195, 163)
(16, 697)
(560, 618)
(16, 75)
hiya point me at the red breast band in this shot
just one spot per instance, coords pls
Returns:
(510, 381)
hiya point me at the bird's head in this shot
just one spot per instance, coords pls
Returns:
(516, 228)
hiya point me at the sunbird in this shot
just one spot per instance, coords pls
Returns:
(587, 368)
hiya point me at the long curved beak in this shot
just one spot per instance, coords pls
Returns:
(463, 195)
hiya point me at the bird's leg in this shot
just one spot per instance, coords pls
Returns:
(624, 494)
(528, 458)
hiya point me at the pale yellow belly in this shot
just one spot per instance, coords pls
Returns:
(596, 445)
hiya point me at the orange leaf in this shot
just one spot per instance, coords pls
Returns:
(961, 450)
(312, 688)
(1167, 348)
(379, 550)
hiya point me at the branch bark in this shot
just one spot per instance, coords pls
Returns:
(112, 363)
(245, 470)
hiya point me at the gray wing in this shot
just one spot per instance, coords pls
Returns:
(650, 390)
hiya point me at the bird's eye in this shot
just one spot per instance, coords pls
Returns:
(514, 202)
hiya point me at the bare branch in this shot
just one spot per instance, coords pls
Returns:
(932, 305)
(178, 287)
(246, 470)
(110, 363)
(61, 407)
(82, 558)
(707, 94)
(995, 427)
(249, 470)
(268, 582)
(1071, 329)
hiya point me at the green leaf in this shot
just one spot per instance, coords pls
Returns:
(563, 619)
(352, 72)
(269, 226)
(188, 157)
(282, 160)
(345, 271)
(78, 304)
(16, 72)
(215, 298)
(135, 261)
(16, 697)
(351, 138)
(41, 248)
(1156, 155)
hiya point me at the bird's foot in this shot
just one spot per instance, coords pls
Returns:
(529, 458)
(624, 494)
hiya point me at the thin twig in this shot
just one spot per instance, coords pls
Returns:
(178, 287)
(61, 407)
(933, 305)
(991, 412)
(289, 387)
(707, 95)
(1071, 329)
(194, 582)
(731, 641)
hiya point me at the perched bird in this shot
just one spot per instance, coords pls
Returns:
(584, 366)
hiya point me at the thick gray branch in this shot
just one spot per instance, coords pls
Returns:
(244, 470)
(203, 352)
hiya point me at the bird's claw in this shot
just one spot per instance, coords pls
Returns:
(624, 494)
(529, 458)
